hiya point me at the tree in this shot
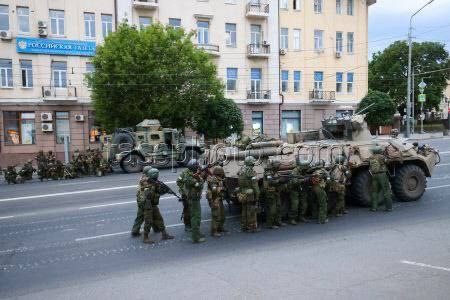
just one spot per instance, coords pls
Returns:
(220, 119)
(154, 72)
(388, 71)
(382, 110)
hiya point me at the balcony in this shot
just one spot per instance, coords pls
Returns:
(257, 9)
(146, 4)
(258, 97)
(213, 50)
(322, 97)
(51, 93)
(258, 50)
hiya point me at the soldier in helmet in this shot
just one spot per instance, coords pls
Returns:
(272, 193)
(143, 184)
(339, 176)
(42, 165)
(298, 192)
(248, 195)
(244, 142)
(152, 215)
(26, 172)
(319, 182)
(380, 181)
(10, 174)
(193, 187)
(215, 196)
(181, 181)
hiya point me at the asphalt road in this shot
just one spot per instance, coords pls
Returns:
(70, 240)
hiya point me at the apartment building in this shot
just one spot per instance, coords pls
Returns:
(45, 47)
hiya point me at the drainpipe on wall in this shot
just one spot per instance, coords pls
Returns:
(115, 14)
(279, 76)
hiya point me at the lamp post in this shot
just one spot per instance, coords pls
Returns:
(408, 98)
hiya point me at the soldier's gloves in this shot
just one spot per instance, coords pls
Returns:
(197, 185)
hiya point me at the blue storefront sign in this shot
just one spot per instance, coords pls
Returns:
(55, 47)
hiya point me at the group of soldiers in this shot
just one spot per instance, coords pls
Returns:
(308, 188)
(25, 173)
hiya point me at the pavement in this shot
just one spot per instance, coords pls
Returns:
(70, 240)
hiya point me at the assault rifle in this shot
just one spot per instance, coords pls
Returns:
(164, 188)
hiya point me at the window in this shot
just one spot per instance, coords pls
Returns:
(89, 25)
(6, 75)
(57, 22)
(232, 75)
(350, 7)
(318, 40)
(284, 4)
(59, 73)
(106, 25)
(290, 122)
(339, 80)
(350, 42)
(95, 132)
(144, 22)
(203, 32)
(297, 39)
(284, 38)
(350, 83)
(175, 23)
(19, 128)
(256, 35)
(4, 17)
(255, 83)
(258, 122)
(318, 6)
(296, 5)
(297, 80)
(27, 73)
(339, 7)
(318, 81)
(230, 32)
(62, 126)
(284, 81)
(339, 42)
(23, 19)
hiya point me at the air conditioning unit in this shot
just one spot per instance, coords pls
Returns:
(43, 32)
(265, 43)
(79, 118)
(47, 93)
(47, 127)
(5, 35)
(42, 24)
(46, 117)
(283, 51)
(338, 54)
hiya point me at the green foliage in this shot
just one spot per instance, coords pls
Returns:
(153, 73)
(381, 112)
(388, 71)
(220, 118)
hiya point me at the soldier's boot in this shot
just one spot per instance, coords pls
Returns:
(188, 228)
(293, 222)
(303, 220)
(215, 234)
(200, 240)
(135, 233)
(273, 227)
(166, 236)
(323, 221)
(282, 224)
(147, 240)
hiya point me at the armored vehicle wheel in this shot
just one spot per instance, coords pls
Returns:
(123, 138)
(409, 183)
(131, 163)
(360, 188)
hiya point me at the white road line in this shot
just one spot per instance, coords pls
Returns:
(442, 165)
(77, 183)
(444, 152)
(117, 203)
(74, 192)
(424, 265)
(437, 187)
(6, 217)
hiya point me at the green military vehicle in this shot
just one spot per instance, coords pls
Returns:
(150, 145)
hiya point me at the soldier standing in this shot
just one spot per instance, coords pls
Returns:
(215, 194)
(380, 181)
(42, 165)
(181, 181)
(26, 173)
(272, 194)
(339, 176)
(11, 175)
(318, 182)
(298, 193)
(248, 195)
(193, 187)
(140, 199)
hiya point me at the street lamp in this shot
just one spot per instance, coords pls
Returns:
(408, 101)
(422, 86)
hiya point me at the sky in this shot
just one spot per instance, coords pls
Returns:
(389, 21)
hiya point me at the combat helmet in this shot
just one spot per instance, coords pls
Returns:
(146, 169)
(376, 149)
(218, 171)
(193, 165)
(250, 161)
(339, 159)
(152, 173)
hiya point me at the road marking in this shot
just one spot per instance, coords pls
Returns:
(442, 165)
(74, 192)
(118, 203)
(6, 217)
(444, 152)
(76, 183)
(438, 187)
(424, 265)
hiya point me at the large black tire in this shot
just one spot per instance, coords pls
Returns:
(132, 163)
(360, 188)
(123, 138)
(409, 183)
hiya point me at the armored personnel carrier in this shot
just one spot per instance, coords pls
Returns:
(409, 164)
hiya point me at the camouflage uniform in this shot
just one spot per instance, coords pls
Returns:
(41, 160)
(339, 175)
(272, 194)
(194, 187)
(298, 193)
(248, 195)
(380, 182)
(140, 199)
(181, 181)
(215, 196)
(26, 172)
(318, 182)
(11, 175)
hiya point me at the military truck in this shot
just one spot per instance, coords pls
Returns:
(150, 145)
(409, 164)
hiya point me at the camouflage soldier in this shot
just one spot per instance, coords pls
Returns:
(143, 184)
(51, 159)
(318, 182)
(11, 175)
(215, 195)
(181, 181)
(298, 192)
(339, 176)
(244, 142)
(41, 160)
(248, 195)
(59, 169)
(272, 193)
(193, 187)
(26, 172)
(380, 181)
